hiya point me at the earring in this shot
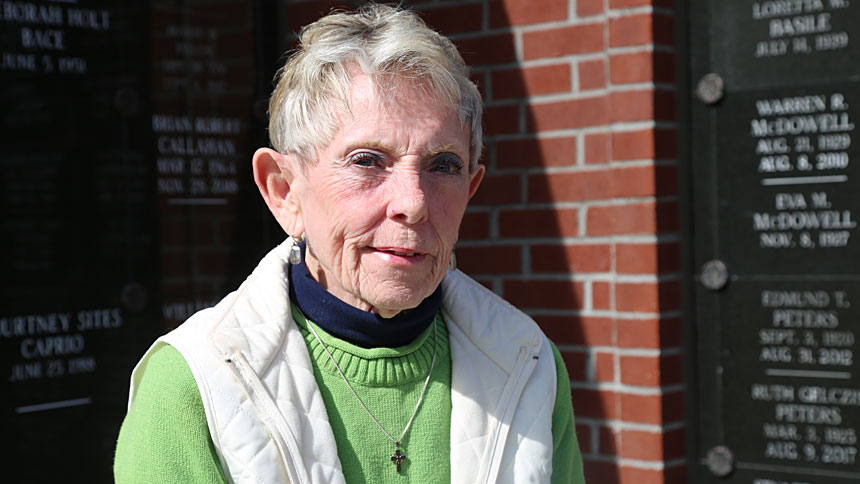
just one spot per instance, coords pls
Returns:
(295, 251)
(453, 262)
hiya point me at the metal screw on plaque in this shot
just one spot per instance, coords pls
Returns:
(127, 102)
(134, 296)
(714, 275)
(710, 88)
(720, 461)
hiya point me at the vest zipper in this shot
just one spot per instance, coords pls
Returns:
(526, 362)
(271, 417)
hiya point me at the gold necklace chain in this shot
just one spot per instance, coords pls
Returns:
(398, 456)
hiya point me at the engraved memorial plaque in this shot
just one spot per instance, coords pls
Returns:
(127, 203)
(775, 174)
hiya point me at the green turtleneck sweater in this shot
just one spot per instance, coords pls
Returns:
(165, 437)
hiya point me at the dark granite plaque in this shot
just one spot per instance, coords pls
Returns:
(775, 172)
(127, 203)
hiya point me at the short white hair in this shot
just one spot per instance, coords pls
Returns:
(390, 46)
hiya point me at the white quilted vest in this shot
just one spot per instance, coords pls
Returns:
(267, 418)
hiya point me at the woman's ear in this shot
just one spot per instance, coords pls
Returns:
(475, 179)
(277, 176)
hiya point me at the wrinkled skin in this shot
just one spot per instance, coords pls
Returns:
(382, 205)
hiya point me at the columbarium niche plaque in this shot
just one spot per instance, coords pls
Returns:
(127, 204)
(775, 175)
(77, 233)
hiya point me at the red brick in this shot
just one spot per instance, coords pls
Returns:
(647, 296)
(498, 189)
(601, 471)
(175, 264)
(490, 49)
(578, 330)
(633, 218)
(583, 435)
(609, 441)
(577, 113)
(212, 263)
(652, 409)
(475, 225)
(504, 13)
(643, 145)
(488, 283)
(640, 3)
(596, 148)
(595, 403)
(585, 8)
(535, 152)
(576, 363)
(642, 445)
(664, 29)
(650, 370)
(539, 223)
(640, 181)
(634, 181)
(649, 333)
(490, 260)
(648, 258)
(234, 44)
(239, 75)
(173, 233)
(640, 29)
(641, 408)
(555, 42)
(604, 367)
(544, 294)
(664, 66)
(204, 232)
(581, 185)
(592, 74)
(454, 19)
(571, 258)
(531, 81)
(226, 231)
(672, 370)
(501, 120)
(642, 67)
(640, 370)
(638, 475)
(601, 295)
(480, 80)
(639, 333)
(301, 14)
(641, 105)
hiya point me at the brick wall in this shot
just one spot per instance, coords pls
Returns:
(576, 222)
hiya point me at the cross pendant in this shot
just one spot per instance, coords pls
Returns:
(397, 458)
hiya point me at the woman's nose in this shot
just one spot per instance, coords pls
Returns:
(407, 199)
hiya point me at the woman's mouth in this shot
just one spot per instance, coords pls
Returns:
(400, 255)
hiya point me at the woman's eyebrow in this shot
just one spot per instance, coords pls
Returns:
(432, 151)
(446, 148)
(368, 145)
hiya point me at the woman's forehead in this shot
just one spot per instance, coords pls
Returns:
(402, 108)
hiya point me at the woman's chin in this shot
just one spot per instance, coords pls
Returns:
(388, 303)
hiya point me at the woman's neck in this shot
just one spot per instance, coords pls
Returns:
(359, 327)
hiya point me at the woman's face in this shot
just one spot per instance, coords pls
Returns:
(382, 205)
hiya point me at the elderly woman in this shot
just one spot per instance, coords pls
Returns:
(355, 351)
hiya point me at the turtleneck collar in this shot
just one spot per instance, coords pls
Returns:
(351, 324)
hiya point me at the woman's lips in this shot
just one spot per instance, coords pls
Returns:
(400, 255)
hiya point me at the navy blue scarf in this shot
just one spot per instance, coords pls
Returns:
(359, 327)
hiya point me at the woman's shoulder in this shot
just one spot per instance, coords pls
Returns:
(165, 437)
(167, 381)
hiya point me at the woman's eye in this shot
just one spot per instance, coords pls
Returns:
(365, 160)
(448, 164)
